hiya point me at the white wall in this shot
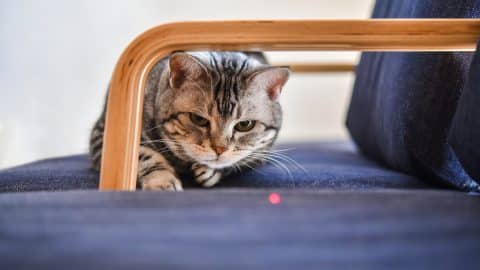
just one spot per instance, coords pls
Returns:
(56, 57)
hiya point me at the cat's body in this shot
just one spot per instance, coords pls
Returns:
(204, 113)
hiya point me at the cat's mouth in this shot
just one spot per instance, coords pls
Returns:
(218, 164)
(213, 161)
(221, 162)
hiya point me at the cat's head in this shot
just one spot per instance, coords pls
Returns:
(219, 108)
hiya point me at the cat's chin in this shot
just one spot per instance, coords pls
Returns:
(218, 164)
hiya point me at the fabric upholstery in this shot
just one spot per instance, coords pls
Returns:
(465, 131)
(403, 103)
(326, 165)
(240, 229)
(63, 173)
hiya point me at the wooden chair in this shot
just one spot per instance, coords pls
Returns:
(125, 101)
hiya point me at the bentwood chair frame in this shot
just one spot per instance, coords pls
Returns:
(125, 100)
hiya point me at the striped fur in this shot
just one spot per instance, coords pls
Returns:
(221, 88)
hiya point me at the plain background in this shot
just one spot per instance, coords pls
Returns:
(56, 58)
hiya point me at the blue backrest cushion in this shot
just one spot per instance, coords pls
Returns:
(403, 103)
(465, 131)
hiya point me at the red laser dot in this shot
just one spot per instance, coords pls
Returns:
(274, 198)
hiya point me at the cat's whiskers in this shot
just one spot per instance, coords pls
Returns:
(245, 163)
(279, 153)
(279, 156)
(150, 129)
(277, 163)
(268, 157)
(284, 158)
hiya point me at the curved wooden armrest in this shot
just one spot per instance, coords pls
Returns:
(125, 100)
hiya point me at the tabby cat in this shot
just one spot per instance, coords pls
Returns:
(204, 114)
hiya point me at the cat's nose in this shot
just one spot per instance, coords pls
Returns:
(219, 149)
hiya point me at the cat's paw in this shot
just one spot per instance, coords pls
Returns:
(205, 176)
(161, 180)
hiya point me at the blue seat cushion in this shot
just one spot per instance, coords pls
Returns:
(403, 103)
(240, 229)
(320, 165)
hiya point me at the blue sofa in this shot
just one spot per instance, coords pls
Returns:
(399, 196)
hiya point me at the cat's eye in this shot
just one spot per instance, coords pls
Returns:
(245, 126)
(198, 120)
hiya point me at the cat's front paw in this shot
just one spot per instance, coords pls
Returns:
(206, 176)
(161, 180)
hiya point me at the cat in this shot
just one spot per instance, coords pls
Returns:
(204, 114)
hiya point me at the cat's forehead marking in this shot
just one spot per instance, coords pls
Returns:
(229, 74)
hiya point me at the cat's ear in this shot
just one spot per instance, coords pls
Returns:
(183, 67)
(272, 79)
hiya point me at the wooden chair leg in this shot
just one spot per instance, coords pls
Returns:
(125, 100)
